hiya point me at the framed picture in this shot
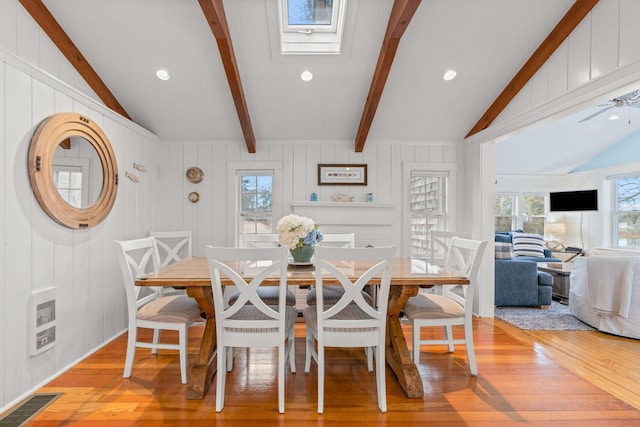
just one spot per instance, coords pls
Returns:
(342, 174)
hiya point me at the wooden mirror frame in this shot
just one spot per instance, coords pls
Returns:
(49, 134)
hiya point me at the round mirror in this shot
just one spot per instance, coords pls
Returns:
(73, 170)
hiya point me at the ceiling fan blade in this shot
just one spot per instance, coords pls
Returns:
(597, 113)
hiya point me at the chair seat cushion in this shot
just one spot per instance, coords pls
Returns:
(332, 295)
(249, 312)
(268, 294)
(432, 306)
(350, 312)
(175, 309)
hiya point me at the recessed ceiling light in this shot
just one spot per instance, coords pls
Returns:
(449, 75)
(162, 74)
(306, 76)
(614, 117)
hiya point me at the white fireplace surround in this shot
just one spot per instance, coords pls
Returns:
(372, 222)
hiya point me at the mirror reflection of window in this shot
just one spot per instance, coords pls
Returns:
(68, 181)
(77, 172)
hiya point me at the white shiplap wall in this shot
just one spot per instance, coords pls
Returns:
(37, 253)
(212, 219)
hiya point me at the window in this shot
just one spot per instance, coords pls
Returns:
(311, 26)
(505, 212)
(428, 207)
(256, 202)
(627, 212)
(310, 15)
(533, 210)
(525, 211)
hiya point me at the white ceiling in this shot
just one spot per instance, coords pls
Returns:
(485, 41)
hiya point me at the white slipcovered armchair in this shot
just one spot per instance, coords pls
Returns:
(605, 293)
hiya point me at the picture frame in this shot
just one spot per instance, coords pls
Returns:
(342, 174)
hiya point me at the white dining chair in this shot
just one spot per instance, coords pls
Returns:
(268, 293)
(250, 321)
(352, 321)
(173, 245)
(152, 310)
(453, 307)
(341, 240)
(439, 242)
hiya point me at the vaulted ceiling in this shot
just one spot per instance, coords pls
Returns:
(229, 81)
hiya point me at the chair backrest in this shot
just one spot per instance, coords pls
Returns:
(464, 256)
(138, 258)
(345, 240)
(262, 240)
(439, 242)
(373, 262)
(172, 245)
(258, 264)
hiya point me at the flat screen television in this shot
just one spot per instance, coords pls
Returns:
(563, 201)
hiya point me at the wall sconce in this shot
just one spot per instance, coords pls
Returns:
(132, 177)
(140, 167)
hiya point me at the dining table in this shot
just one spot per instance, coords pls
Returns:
(407, 277)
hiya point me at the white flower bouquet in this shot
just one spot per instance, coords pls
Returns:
(295, 231)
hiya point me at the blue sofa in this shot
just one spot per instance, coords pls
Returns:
(517, 280)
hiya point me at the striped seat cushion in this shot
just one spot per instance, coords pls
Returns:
(176, 309)
(350, 312)
(432, 306)
(268, 294)
(526, 244)
(332, 295)
(249, 312)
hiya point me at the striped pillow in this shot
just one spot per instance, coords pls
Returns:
(504, 250)
(525, 244)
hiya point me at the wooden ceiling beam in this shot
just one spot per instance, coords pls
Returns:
(50, 26)
(214, 13)
(399, 18)
(567, 24)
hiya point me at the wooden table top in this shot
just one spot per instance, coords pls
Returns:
(194, 271)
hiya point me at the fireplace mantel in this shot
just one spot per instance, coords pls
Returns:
(346, 213)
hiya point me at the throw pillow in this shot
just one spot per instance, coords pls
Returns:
(504, 250)
(525, 244)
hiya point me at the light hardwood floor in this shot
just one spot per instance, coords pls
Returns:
(526, 377)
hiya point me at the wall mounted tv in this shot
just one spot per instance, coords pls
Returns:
(586, 200)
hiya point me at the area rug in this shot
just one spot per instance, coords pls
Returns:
(556, 318)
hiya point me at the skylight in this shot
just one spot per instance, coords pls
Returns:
(311, 26)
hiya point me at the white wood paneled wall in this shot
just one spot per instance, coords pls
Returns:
(211, 218)
(37, 253)
(602, 53)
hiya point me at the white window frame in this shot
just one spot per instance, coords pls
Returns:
(514, 213)
(451, 171)
(73, 164)
(319, 39)
(234, 171)
(518, 213)
(301, 29)
(615, 238)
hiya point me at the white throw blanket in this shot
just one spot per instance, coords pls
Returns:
(610, 284)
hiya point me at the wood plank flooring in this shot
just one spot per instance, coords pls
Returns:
(539, 378)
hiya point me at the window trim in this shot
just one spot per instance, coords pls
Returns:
(450, 198)
(615, 212)
(319, 41)
(234, 170)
